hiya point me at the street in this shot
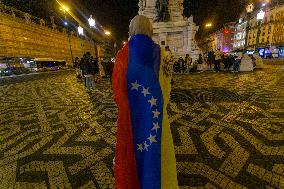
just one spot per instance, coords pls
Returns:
(228, 130)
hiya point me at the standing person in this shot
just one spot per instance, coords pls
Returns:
(92, 73)
(231, 61)
(211, 59)
(237, 62)
(78, 68)
(226, 61)
(218, 58)
(188, 62)
(181, 65)
(200, 59)
(88, 71)
(144, 155)
(111, 65)
(84, 68)
(168, 50)
(81, 67)
(97, 75)
(176, 67)
(104, 67)
(200, 63)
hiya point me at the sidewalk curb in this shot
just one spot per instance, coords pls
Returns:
(7, 80)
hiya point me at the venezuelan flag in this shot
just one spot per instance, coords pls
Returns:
(144, 156)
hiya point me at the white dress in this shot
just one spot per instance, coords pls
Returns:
(246, 64)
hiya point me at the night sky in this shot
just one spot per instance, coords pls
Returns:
(115, 15)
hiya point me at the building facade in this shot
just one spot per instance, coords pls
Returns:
(263, 35)
(239, 39)
(224, 37)
(221, 39)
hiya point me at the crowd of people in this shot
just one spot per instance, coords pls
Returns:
(88, 70)
(215, 61)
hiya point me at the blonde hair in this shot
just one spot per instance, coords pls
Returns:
(140, 25)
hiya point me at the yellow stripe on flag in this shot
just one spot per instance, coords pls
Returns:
(168, 164)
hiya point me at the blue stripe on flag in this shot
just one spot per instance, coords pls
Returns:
(146, 108)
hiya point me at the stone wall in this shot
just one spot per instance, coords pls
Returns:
(278, 32)
(23, 38)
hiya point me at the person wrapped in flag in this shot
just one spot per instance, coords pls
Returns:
(144, 155)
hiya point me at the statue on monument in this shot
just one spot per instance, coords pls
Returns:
(162, 12)
(142, 5)
(170, 27)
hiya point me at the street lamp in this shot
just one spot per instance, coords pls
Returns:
(260, 15)
(265, 3)
(259, 18)
(208, 25)
(92, 22)
(107, 33)
(65, 10)
(80, 30)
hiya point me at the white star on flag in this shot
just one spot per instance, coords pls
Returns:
(152, 139)
(153, 102)
(146, 146)
(145, 91)
(156, 127)
(140, 147)
(135, 86)
(156, 114)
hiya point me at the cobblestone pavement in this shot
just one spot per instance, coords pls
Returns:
(228, 131)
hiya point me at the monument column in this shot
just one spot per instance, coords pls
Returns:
(189, 39)
(185, 42)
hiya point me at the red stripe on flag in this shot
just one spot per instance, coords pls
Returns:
(125, 170)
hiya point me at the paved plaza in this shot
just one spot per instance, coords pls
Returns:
(228, 131)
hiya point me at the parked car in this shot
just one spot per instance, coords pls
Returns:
(4, 70)
(48, 64)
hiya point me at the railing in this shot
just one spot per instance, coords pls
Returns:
(29, 19)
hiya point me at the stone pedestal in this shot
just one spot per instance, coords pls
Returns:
(178, 33)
